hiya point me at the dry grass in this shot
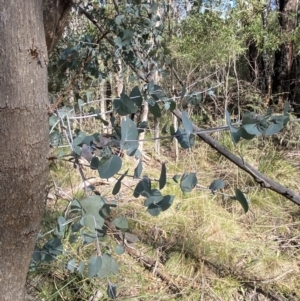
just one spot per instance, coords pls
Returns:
(207, 246)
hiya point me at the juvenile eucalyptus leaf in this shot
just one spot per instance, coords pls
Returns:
(242, 199)
(188, 181)
(183, 139)
(129, 132)
(112, 291)
(143, 124)
(124, 105)
(244, 134)
(94, 163)
(77, 150)
(138, 170)
(37, 255)
(86, 152)
(136, 96)
(216, 185)
(80, 267)
(89, 222)
(108, 167)
(92, 204)
(188, 125)
(88, 238)
(121, 222)
(252, 129)
(155, 110)
(109, 266)
(139, 189)
(53, 248)
(234, 132)
(94, 265)
(71, 265)
(154, 198)
(163, 176)
(150, 86)
(154, 210)
(176, 178)
(273, 128)
(118, 42)
(119, 19)
(53, 120)
(147, 185)
(166, 202)
(61, 222)
(131, 238)
(76, 227)
(119, 249)
(75, 206)
(117, 186)
(79, 139)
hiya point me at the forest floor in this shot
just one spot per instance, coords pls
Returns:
(204, 247)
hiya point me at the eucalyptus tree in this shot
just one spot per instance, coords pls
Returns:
(24, 131)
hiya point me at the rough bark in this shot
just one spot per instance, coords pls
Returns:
(285, 57)
(23, 137)
(56, 15)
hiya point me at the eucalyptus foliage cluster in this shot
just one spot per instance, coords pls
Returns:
(135, 34)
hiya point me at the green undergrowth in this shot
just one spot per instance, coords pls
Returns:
(207, 247)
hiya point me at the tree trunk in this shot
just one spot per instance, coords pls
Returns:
(285, 57)
(23, 138)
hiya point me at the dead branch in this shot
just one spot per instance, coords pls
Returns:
(258, 177)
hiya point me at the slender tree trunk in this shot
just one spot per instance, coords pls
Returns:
(23, 132)
(23, 139)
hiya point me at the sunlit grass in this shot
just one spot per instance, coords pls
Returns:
(208, 246)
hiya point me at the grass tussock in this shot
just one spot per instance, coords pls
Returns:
(204, 244)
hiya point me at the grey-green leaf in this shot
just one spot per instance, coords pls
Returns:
(119, 249)
(234, 132)
(108, 167)
(154, 210)
(138, 169)
(124, 105)
(163, 176)
(166, 202)
(188, 181)
(112, 291)
(188, 125)
(176, 178)
(94, 265)
(92, 204)
(242, 199)
(129, 132)
(117, 186)
(109, 266)
(217, 184)
(71, 265)
(121, 222)
(136, 96)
